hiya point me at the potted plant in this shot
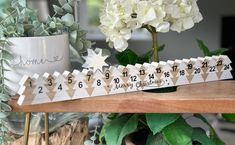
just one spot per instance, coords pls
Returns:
(29, 45)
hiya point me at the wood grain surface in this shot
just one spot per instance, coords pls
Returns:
(213, 97)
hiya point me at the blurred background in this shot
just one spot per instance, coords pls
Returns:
(216, 30)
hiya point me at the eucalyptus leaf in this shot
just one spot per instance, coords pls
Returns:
(73, 36)
(22, 3)
(119, 128)
(72, 2)
(62, 2)
(156, 140)
(5, 107)
(200, 136)
(157, 122)
(4, 97)
(178, 133)
(68, 19)
(68, 8)
(3, 115)
(7, 55)
(58, 10)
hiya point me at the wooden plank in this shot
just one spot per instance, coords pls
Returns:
(213, 97)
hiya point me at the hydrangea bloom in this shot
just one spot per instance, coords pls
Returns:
(120, 17)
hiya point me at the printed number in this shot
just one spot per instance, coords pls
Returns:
(98, 82)
(167, 74)
(70, 81)
(125, 74)
(89, 77)
(219, 63)
(107, 76)
(30, 84)
(116, 81)
(142, 72)
(60, 87)
(174, 68)
(151, 76)
(226, 67)
(159, 70)
(80, 85)
(40, 90)
(133, 78)
(190, 66)
(49, 82)
(204, 65)
(197, 71)
(212, 69)
(182, 73)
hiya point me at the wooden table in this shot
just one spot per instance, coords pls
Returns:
(213, 97)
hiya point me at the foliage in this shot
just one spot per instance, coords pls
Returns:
(128, 56)
(5, 57)
(164, 129)
(229, 117)
(220, 51)
(18, 20)
(206, 50)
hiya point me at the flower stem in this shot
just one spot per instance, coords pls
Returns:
(155, 47)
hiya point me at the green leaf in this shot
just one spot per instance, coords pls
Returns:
(68, 19)
(127, 57)
(4, 107)
(58, 10)
(119, 128)
(200, 136)
(3, 115)
(229, 117)
(157, 122)
(145, 57)
(22, 3)
(62, 2)
(219, 51)
(203, 47)
(68, 8)
(73, 36)
(71, 2)
(52, 25)
(213, 136)
(161, 48)
(178, 133)
(156, 140)
(4, 97)
(7, 55)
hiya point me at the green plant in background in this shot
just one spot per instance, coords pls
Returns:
(163, 129)
(219, 51)
(5, 57)
(207, 52)
(130, 57)
(18, 20)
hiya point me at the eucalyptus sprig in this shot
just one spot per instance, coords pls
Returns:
(17, 19)
(5, 57)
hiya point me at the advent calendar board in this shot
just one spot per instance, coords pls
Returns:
(122, 79)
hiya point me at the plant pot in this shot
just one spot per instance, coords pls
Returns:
(37, 55)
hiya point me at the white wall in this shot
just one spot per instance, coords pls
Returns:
(184, 45)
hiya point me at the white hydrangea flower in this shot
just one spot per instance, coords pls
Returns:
(120, 17)
(183, 14)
